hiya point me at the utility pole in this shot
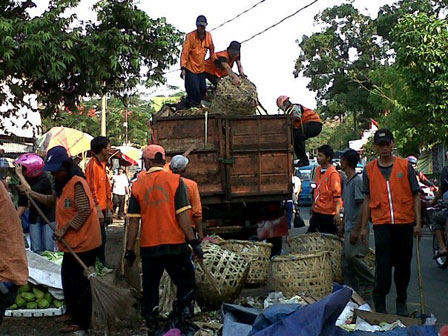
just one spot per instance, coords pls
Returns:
(103, 115)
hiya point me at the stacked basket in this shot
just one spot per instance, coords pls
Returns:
(302, 274)
(229, 271)
(317, 242)
(257, 253)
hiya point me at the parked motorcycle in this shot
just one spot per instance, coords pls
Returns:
(438, 214)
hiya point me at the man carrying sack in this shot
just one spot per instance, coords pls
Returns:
(13, 263)
(160, 200)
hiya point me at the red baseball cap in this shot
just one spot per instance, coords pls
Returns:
(149, 152)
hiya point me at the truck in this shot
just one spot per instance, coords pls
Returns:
(243, 166)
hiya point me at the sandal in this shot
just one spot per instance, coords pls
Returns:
(440, 254)
(64, 318)
(69, 328)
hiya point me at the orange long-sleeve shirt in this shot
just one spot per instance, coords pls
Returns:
(194, 51)
(328, 191)
(99, 183)
(195, 200)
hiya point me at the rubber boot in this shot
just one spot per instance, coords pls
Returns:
(380, 304)
(402, 308)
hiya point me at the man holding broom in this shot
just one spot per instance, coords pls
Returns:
(78, 224)
(160, 200)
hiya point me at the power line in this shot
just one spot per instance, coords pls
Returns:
(234, 18)
(276, 24)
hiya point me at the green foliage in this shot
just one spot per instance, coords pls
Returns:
(86, 118)
(62, 59)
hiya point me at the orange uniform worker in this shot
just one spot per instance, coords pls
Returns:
(13, 263)
(194, 50)
(221, 63)
(77, 222)
(327, 201)
(307, 124)
(160, 200)
(393, 203)
(178, 165)
(100, 188)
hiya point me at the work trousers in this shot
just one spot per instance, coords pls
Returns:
(118, 201)
(7, 300)
(180, 269)
(195, 87)
(393, 244)
(102, 249)
(322, 223)
(357, 274)
(77, 291)
(303, 133)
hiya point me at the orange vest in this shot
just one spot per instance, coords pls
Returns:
(328, 190)
(88, 237)
(194, 51)
(308, 115)
(195, 200)
(391, 202)
(213, 69)
(99, 183)
(155, 192)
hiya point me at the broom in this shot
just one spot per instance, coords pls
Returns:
(107, 300)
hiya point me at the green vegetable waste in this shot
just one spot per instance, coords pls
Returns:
(58, 303)
(31, 305)
(35, 297)
(20, 302)
(38, 293)
(13, 307)
(24, 288)
(43, 304)
(29, 297)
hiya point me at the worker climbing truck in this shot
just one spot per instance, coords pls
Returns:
(242, 164)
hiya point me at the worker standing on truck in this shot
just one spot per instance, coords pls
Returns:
(192, 63)
(178, 165)
(327, 202)
(160, 200)
(221, 63)
(393, 203)
(307, 124)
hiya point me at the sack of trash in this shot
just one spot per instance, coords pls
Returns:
(230, 99)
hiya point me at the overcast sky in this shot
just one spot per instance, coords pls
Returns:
(268, 59)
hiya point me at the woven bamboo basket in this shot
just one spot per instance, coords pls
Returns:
(370, 258)
(257, 253)
(235, 100)
(230, 272)
(317, 242)
(302, 274)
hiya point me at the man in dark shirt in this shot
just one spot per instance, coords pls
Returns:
(392, 201)
(439, 229)
(160, 200)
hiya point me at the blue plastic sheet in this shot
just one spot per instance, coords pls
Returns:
(237, 320)
(272, 315)
(409, 331)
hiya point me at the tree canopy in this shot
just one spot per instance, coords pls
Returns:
(62, 59)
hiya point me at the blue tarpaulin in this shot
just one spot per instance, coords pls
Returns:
(409, 331)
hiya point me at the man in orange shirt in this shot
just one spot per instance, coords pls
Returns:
(392, 201)
(307, 124)
(192, 63)
(220, 64)
(178, 165)
(13, 263)
(327, 195)
(99, 184)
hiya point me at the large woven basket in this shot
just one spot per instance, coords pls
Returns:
(317, 242)
(230, 272)
(302, 274)
(235, 100)
(257, 253)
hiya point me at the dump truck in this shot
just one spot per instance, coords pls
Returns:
(242, 164)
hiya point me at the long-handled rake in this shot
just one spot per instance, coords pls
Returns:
(108, 302)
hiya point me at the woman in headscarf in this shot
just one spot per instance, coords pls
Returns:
(78, 224)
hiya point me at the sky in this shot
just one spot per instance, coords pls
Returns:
(268, 60)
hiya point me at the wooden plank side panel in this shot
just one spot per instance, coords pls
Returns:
(274, 176)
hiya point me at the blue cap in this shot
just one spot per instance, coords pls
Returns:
(55, 157)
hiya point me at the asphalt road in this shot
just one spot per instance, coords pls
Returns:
(435, 279)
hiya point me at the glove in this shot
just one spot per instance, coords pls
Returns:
(196, 246)
(130, 257)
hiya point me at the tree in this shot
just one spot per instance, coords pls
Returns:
(86, 117)
(62, 59)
